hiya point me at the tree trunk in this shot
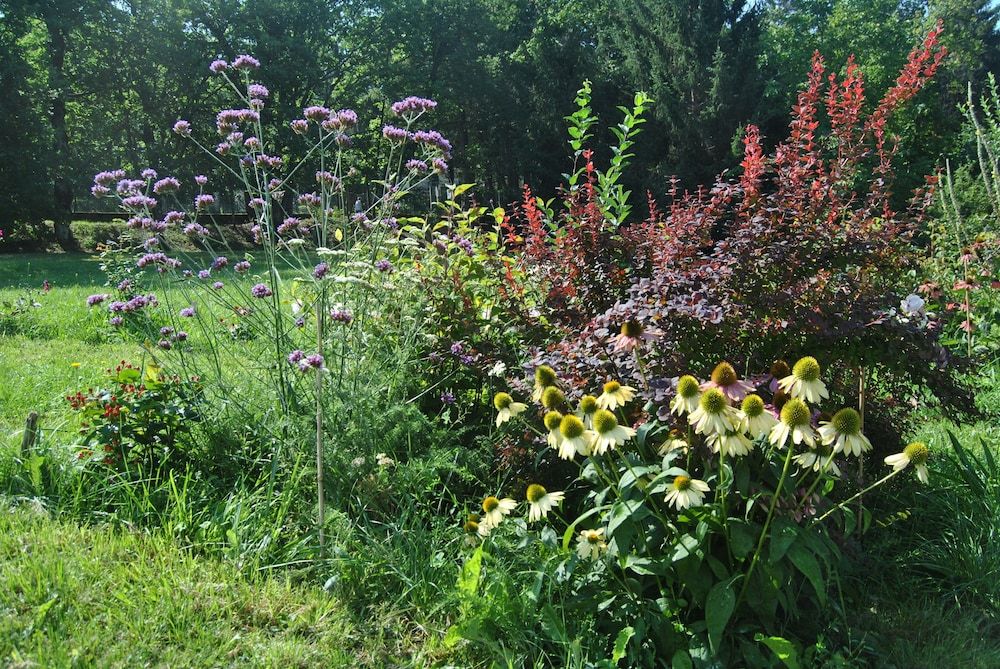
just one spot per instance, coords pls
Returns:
(62, 186)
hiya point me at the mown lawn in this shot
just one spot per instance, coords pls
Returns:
(103, 597)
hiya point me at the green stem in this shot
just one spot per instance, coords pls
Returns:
(859, 494)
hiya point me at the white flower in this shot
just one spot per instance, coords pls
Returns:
(615, 395)
(730, 443)
(686, 399)
(795, 423)
(843, 432)
(714, 415)
(912, 306)
(540, 502)
(673, 443)
(506, 407)
(917, 454)
(383, 460)
(498, 369)
(608, 432)
(686, 492)
(590, 544)
(818, 459)
(545, 376)
(804, 382)
(755, 418)
(495, 509)
(575, 438)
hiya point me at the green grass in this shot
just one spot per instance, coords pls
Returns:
(101, 597)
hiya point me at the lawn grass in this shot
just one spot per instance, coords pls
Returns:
(103, 597)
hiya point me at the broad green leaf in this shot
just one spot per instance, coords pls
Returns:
(681, 660)
(461, 188)
(718, 609)
(468, 578)
(498, 215)
(806, 563)
(783, 648)
(621, 644)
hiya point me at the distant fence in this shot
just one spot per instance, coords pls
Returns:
(227, 210)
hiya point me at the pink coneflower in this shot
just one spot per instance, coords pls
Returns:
(632, 336)
(724, 378)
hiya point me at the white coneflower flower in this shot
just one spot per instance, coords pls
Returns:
(545, 377)
(818, 458)
(779, 370)
(506, 407)
(804, 382)
(916, 453)
(586, 408)
(494, 509)
(474, 530)
(615, 395)
(724, 378)
(576, 438)
(590, 544)
(686, 492)
(714, 415)
(540, 502)
(608, 432)
(552, 420)
(844, 433)
(757, 420)
(553, 398)
(730, 443)
(675, 442)
(686, 399)
(794, 423)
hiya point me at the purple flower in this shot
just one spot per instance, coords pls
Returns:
(166, 331)
(139, 202)
(320, 270)
(222, 149)
(246, 62)
(440, 166)
(181, 335)
(346, 118)
(255, 233)
(148, 174)
(151, 243)
(415, 165)
(273, 162)
(139, 222)
(115, 321)
(195, 230)
(182, 128)
(295, 356)
(116, 307)
(188, 312)
(217, 285)
(220, 262)
(433, 139)
(252, 144)
(383, 266)
(166, 185)
(204, 201)
(129, 186)
(204, 274)
(313, 361)
(242, 266)
(201, 180)
(342, 140)
(316, 113)
(173, 217)
(300, 322)
(125, 285)
(447, 397)
(260, 291)
(256, 203)
(218, 66)
(97, 190)
(457, 348)
(158, 258)
(466, 359)
(108, 178)
(187, 274)
(412, 106)
(96, 299)
(341, 316)
(300, 126)
(463, 243)
(395, 134)
(257, 91)
(164, 344)
(309, 200)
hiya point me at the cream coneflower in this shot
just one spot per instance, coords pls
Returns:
(675, 442)
(506, 407)
(585, 410)
(615, 395)
(724, 378)
(917, 454)
(552, 420)
(553, 398)
(686, 399)
(818, 458)
(713, 414)
(757, 420)
(686, 492)
(608, 432)
(804, 382)
(545, 377)
(494, 509)
(473, 529)
(795, 423)
(843, 432)
(575, 438)
(632, 336)
(540, 502)
(590, 544)
(730, 443)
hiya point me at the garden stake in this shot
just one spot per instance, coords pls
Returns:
(30, 432)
